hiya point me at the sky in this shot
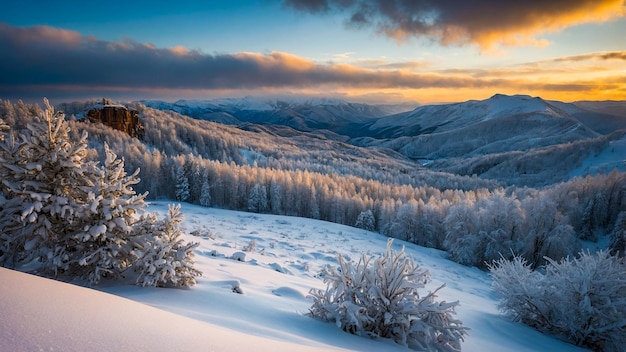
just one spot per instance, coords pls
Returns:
(379, 51)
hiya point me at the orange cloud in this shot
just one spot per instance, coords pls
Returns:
(32, 66)
(486, 23)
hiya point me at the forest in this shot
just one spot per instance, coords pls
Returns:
(281, 171)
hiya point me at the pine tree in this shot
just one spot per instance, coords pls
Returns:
(205, 191)
(164, 258)
(618, 235)
(45, 179)
(64, 216)
(3, 129)
(365, 220)
(182, 185)
(257, 199)
(115, 211)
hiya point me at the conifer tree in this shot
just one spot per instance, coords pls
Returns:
(45, 179)
(111, 223)
(165, 259)
(205, 191)
(365, 220)
(182, 185)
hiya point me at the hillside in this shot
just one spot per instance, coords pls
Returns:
(275, 277)
(303, 114)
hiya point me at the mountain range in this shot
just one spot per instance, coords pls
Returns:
(511, 139)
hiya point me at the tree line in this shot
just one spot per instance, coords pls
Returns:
(475, 220)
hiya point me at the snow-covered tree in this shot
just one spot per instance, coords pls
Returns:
(581, 299)
(182, 185)
(366, 220)
(64, 216)
(205, 191)
(164, 257)
(618, 235)
(379, 297)
(3, 129)
(45, 179)
(257, 199)
(113, 215)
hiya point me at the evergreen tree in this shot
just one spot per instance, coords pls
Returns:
(365, 220)
(257, 199)
(111, 224)
(618, 235)
(164, 258)
(182, 185)
(46, 181)
(205, 191)
(63, 216)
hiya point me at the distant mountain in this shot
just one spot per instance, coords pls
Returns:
(304, 114)
(431, 119)
(498, 124)
(512, 139)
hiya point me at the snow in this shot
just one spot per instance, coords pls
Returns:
(610, 158)
(269, 314)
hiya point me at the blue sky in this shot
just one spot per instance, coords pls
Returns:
(565, 50)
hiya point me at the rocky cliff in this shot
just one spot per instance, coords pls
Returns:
(118, 117)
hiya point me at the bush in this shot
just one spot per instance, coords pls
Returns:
(581, 300)
(378, 297)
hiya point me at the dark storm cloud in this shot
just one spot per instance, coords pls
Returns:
(483, 22)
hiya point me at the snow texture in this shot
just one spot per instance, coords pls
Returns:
(268, 316)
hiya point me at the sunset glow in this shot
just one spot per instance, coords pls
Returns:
(402, 51)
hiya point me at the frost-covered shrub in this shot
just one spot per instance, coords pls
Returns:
(164, 258)
(582, 300)
(378, 297)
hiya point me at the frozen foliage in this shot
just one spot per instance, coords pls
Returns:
(289, 173)
(378, 297)
(581, 300)
(618, 235)
(114, 214)
(164, 258)
(182, 185)
(64, 216)
(46, 182)
(366, 220)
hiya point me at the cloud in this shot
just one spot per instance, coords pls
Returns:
(603, 56)
(487, 23)
(45, 60)
(79, 61)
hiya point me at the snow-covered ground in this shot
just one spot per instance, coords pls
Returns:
(613, 157)
(275, 277)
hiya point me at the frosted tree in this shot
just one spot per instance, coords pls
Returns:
(165, 259)
(379, 297)
(113, 215)
(205, 190)
(366, 220)
(3, 129)
(276, 193)
(182, 185)
(257, 199)
(46, 181)
(618, 235)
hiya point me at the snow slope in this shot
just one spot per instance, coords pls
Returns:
(613, 157)
(275, 278)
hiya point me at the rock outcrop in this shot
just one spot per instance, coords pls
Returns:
(118, 117)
